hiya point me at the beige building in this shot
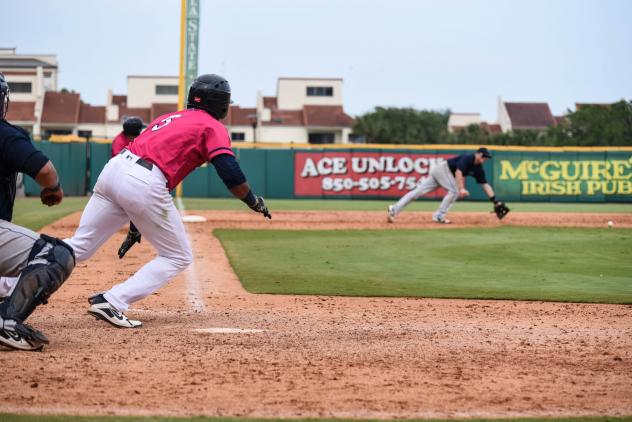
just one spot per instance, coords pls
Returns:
(458, 121)
(144, 91)
(29, 77)
(511, 116)
(305, 110)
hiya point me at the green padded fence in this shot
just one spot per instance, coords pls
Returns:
(556, 175)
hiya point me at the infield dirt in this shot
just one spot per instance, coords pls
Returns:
(319, 356)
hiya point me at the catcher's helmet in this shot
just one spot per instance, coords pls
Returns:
(4, 97)
(132, 126)
(210, 93)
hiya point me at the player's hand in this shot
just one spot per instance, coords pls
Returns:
(52, 196)
(131, 238)
(260, 206)
(463, 193)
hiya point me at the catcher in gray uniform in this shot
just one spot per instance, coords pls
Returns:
(450, 175)
(42, 262)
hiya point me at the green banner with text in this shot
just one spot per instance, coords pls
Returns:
(563, 176)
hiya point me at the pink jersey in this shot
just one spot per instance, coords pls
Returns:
(121, 141)
(180, 142)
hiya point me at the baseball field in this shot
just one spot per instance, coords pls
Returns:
(328, 311)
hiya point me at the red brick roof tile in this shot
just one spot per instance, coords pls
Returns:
(91, 114)
(238, 116)
(158, 109)
(143, 113)
(330, 116)
(285, 118)
(270, 102)
(21, 111)
(119, 100)
(530, 115)
(61, 108)
(491, 128)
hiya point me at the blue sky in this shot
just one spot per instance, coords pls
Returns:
(431, 54)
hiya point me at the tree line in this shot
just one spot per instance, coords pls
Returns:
(590, 125)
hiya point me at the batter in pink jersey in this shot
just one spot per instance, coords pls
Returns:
(180, 142)
(135, 185)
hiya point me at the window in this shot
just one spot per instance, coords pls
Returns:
(166, 89)
(321, 138)
(49, 132)
(238, 136)
(320, 91)
(84, 133)
(20, 87)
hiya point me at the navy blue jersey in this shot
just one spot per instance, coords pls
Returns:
(465, 163)
(17, 155)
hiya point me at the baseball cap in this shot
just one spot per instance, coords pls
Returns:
(485, 152)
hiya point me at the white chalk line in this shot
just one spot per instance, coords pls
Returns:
(194, 297)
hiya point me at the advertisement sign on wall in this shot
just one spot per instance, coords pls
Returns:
(568, 177)
(386, 174)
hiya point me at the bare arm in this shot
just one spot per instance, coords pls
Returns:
(47, 176)
(488, 190)
(460, 183)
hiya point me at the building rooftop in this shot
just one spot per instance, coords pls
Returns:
(21, 111)
(329, 116)
(530, 115)
(91, 114)
(308, 79)
(61, 108)
(17, 63)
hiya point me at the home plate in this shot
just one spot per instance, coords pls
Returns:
(220, 330)
(193, 219)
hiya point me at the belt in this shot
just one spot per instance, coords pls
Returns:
(141, 162)
(144, 163)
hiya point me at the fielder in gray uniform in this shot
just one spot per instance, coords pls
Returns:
(450, 175)
(41, 263)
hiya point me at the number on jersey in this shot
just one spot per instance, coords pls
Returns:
(164, 122)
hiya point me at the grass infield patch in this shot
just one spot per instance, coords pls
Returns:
(31, 213)
(549, 264)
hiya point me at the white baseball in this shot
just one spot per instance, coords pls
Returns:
(610, 223)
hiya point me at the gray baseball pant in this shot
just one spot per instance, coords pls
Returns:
(439, 176)
(15, 246)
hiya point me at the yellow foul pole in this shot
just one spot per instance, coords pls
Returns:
(181, 87)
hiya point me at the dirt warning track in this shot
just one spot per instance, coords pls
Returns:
(210, 348)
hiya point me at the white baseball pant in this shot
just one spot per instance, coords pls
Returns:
(127, 191)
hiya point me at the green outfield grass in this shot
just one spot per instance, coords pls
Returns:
(570, 265)
(29, 212)
(28, 418)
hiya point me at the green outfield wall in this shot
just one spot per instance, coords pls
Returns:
(383, 171)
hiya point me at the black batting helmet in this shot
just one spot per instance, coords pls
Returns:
(210, 93)
(132, 126)
(4, 97)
